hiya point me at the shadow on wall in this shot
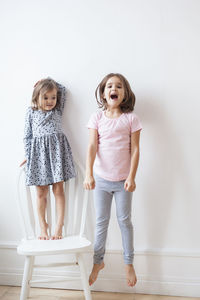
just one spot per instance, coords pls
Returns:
(165, 181)
(74, 125)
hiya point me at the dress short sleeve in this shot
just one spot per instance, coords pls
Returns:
(135, 123)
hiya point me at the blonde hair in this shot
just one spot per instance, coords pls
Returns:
(128, 102)
(42, 87)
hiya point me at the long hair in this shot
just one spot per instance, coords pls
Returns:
(128, 102)
(42, 87)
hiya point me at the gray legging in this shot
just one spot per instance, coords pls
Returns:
(103, 194)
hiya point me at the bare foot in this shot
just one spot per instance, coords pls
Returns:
(130, 275)
(95, 271)
(44, 234)
(58, 233)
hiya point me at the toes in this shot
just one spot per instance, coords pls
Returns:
(91, 280)
(56, 237)
(129, 283)
(43, 238)
(132, 283)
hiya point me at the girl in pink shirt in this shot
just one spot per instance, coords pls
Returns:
(113, 153)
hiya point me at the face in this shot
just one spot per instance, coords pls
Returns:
(48, 100)
(114, 92)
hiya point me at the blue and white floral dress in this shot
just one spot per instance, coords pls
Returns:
(48, 153)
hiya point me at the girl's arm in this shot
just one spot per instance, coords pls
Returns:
(62, 96)
(129, 184)
(89, 182)
(23, 162)
(27, 134)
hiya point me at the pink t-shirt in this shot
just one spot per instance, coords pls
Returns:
(114, 144)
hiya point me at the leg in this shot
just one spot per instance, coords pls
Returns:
(58, 191)
(103, 200)
(42, 192)
(123, 206)
(84, 277)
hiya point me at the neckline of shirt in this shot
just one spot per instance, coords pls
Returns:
(104, 115)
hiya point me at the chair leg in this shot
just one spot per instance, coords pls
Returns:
(84, 278)
(30, 274)
(28, 267)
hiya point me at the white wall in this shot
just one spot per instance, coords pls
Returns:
(156, 45)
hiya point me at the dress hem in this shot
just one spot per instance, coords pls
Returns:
(60, 180)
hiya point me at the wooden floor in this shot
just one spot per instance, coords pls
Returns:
(12, 293)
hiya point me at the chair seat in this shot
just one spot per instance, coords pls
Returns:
(50, 247)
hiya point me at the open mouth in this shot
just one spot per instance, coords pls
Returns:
(113, 96)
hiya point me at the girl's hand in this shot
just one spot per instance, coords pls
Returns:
(129, 185)
(24, 161)
(89, 183)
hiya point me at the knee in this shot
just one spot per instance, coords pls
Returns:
(42, 193)
(124, 221)
(58, 189)
(102, 221)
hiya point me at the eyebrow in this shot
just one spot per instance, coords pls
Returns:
(119, 83)
(54, 95)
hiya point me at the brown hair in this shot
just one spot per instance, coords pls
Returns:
(128, 102)
(42, 87)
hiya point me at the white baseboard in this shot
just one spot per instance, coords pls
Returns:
(160, 286)
(163, 272)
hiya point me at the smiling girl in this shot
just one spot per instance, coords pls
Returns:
(48, 153)
(114, 151)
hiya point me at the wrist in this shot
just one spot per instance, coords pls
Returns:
(89, 173)
(131, 177)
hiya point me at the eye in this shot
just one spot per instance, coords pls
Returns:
(45, 98)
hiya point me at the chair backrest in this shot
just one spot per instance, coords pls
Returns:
(76, 201)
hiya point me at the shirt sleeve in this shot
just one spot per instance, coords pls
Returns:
(93, 122)
(62, 97)
(28, 132)
(135, 123)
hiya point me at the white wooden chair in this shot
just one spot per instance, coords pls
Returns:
(74, 241)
